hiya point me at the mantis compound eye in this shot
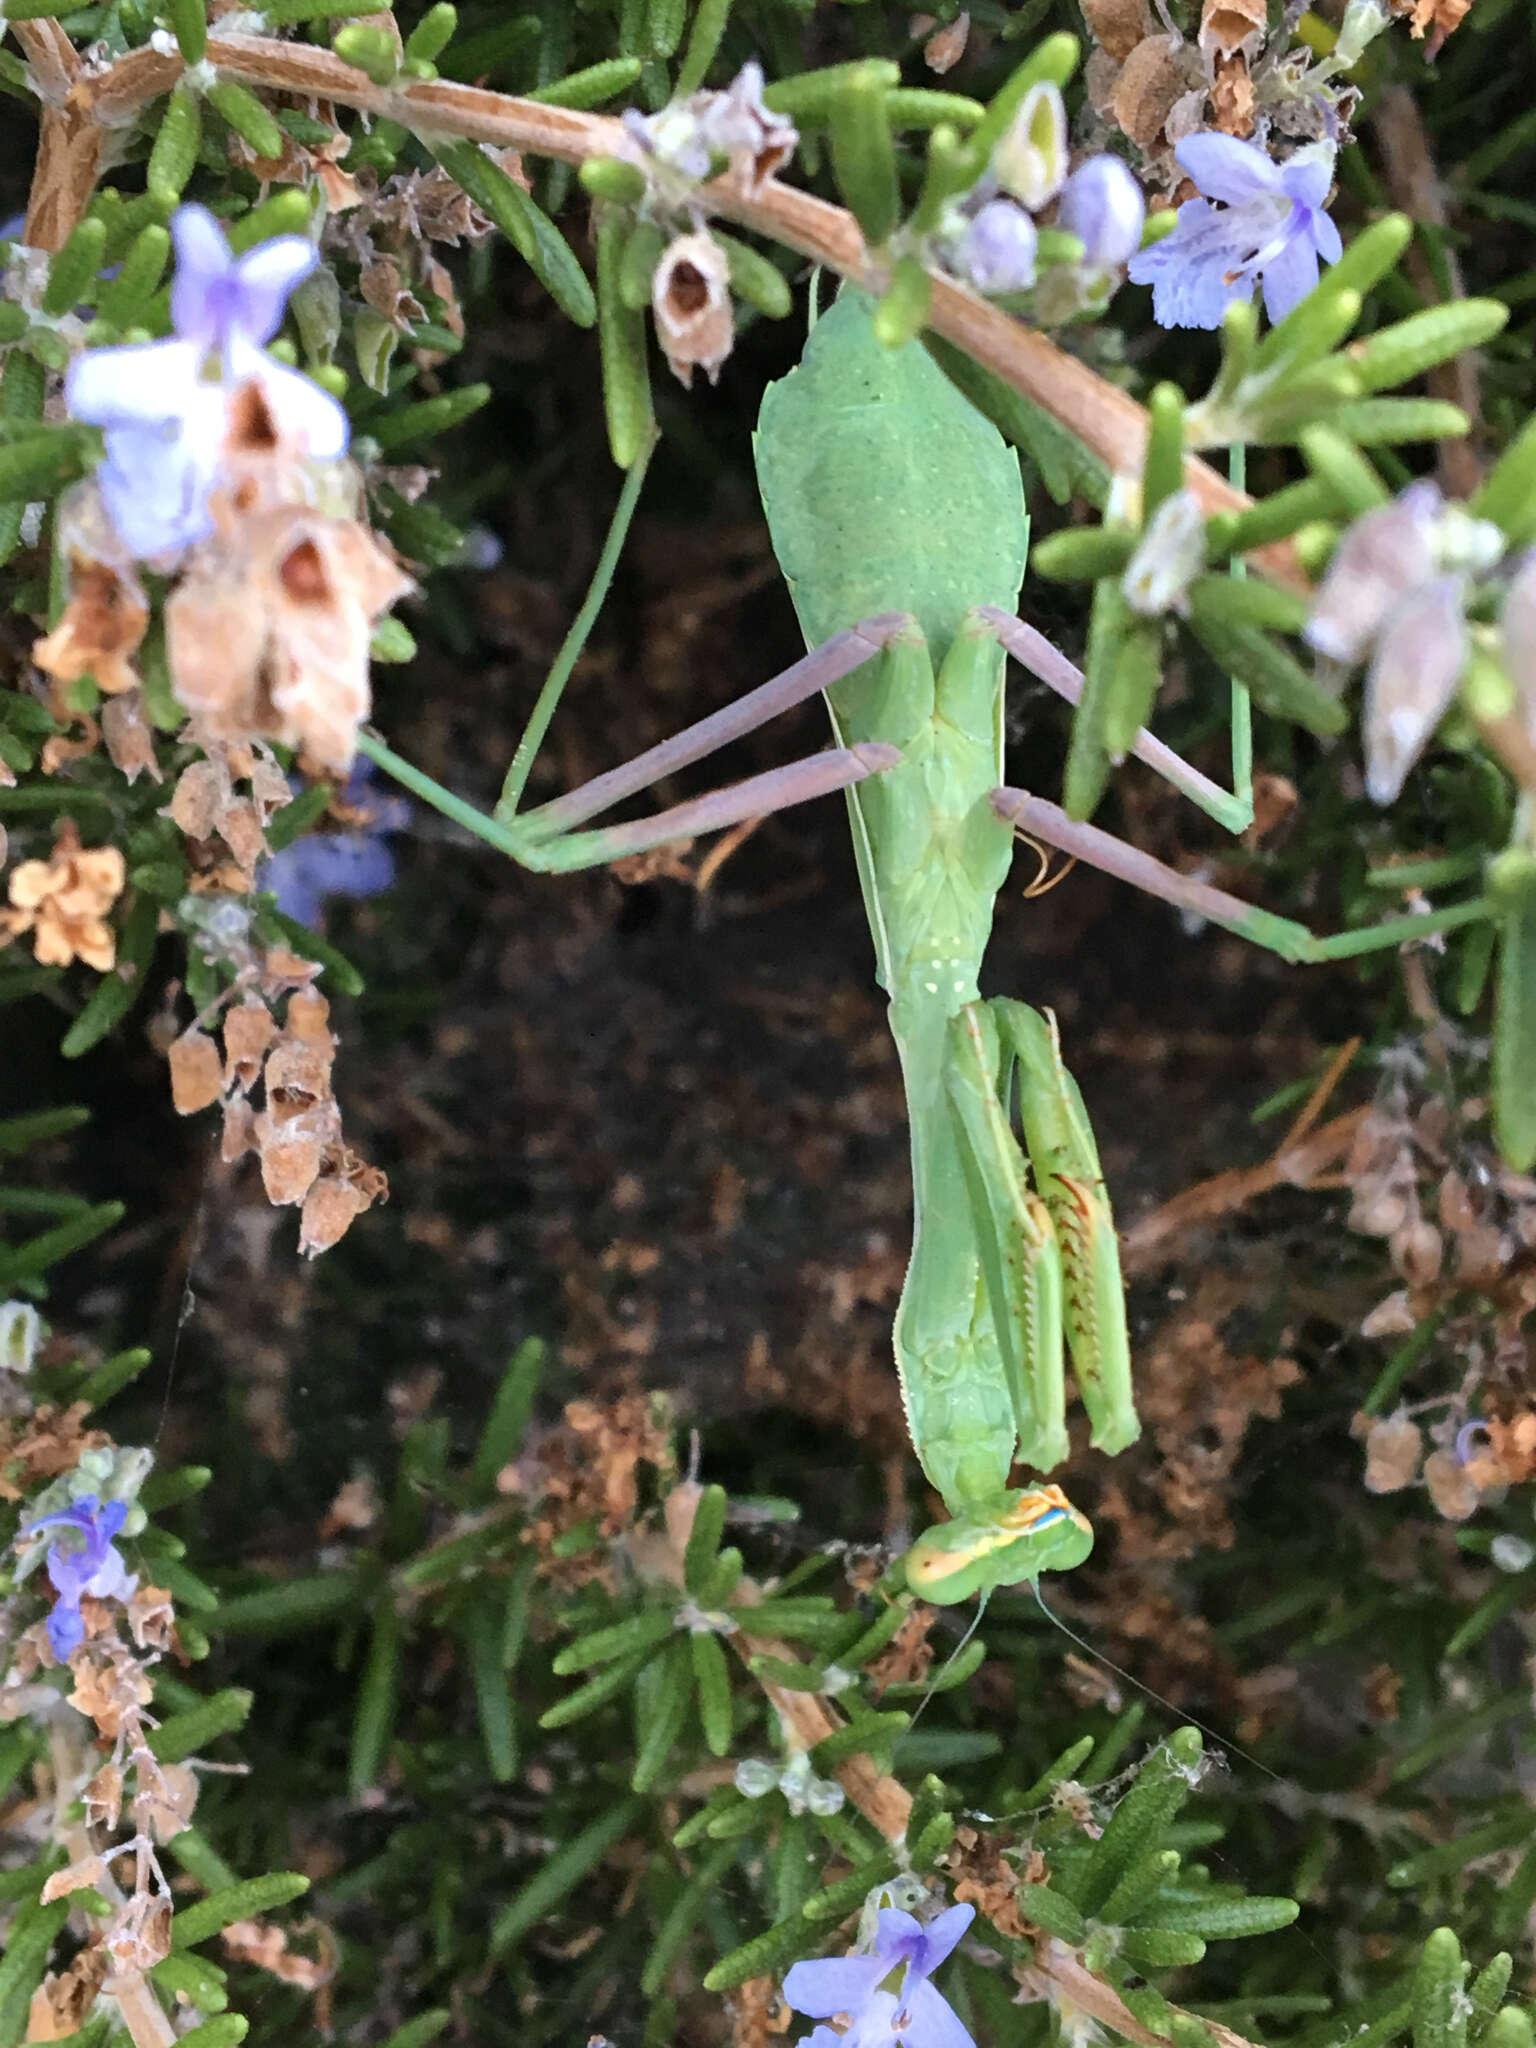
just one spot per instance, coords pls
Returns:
(1025, 1534)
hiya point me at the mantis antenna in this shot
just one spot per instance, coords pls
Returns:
(1131, 1679)
(933, 1683)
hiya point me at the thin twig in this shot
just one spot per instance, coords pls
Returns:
(69, 147)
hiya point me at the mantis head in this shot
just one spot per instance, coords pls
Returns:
(1019, 1537)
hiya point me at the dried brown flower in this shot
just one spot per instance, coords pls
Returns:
(103, 1798)
(909, 1655)
(129, 738)
(249, 1029)
(946, 46)
(335, 1200)
(1452, 1487)
(110, 1685)
(1152, 78)
(63, 902)
(167, 1801)
(1439, 16)
(151, 1617)
(691, 301)
(209, 808)
(1232, 27)
(197, 1072)
(1393, 1448)
(267, 633)
(1117, 26)
(139, 1933)
(101, 629)
(1509, 1456)
(62, 2003)
(1232, 96)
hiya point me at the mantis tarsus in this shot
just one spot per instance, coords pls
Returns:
(897, 516)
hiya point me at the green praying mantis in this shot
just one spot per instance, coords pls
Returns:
(898, 519)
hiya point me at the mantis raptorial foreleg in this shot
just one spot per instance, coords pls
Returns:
(1016, 1237)
(1071, 1184)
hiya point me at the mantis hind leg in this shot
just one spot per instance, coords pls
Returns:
(1070, 1181)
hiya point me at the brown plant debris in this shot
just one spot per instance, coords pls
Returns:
(43, 1444)
(258, 1942)
(589, 1470)
(987, 1875)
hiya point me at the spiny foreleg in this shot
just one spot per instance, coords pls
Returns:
(1070, 1181)
(1016, 1240)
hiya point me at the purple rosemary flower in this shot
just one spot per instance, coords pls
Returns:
(356, 862)
(165, 405)
(1102, 204)
(886, 1995)
(998, 252)
(90, 1564)
(1270, 226)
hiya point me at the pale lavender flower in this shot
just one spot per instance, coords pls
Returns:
(1396, 592)
(1102, 204)
(886, 1995)
(1386, 553)
(1420, 654)
(1270, 226)
(356, 862)
(90, 1564)
(165, 405)
(999, 248)
(691, 136)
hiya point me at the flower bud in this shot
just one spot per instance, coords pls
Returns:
(1102, 204)
(1385, 553)
(1030, 162)
(691, 300)
(998, 253)
(21, 1334)
(1168, 558)
(1363, 22)
(1419, 656)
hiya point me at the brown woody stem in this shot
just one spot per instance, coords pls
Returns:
(1106, 419)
